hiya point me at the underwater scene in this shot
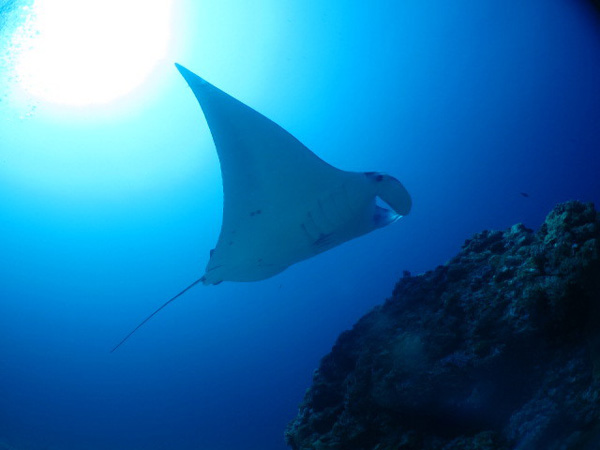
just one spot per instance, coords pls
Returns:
(326, 225)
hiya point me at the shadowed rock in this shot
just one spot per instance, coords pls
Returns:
(497, 349)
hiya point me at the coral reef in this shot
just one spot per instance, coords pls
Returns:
(497, 349)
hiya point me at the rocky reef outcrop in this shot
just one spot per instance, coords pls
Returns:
(497, 349)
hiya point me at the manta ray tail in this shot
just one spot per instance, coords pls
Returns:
(156, 312)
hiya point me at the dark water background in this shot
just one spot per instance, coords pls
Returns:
(104, 215)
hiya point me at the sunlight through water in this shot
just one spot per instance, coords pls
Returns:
(81, 52)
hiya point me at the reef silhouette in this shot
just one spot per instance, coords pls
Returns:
(497, 349)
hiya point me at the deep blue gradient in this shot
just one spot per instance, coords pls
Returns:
(105, 214)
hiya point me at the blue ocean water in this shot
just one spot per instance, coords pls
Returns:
(105, 214)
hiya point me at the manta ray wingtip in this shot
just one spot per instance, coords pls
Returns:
(182, 70)
(190, 77)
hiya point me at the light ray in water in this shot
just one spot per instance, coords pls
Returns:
(79, 52)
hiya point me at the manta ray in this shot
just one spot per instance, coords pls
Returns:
(281, 203)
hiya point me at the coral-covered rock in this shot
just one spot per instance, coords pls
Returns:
(497, 349)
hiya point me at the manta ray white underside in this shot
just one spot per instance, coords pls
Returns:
(281, 203)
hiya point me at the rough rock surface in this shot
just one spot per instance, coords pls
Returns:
(497, 349)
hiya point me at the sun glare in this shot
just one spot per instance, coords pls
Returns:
(80, 52)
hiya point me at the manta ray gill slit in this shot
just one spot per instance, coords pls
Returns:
(81, 52)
